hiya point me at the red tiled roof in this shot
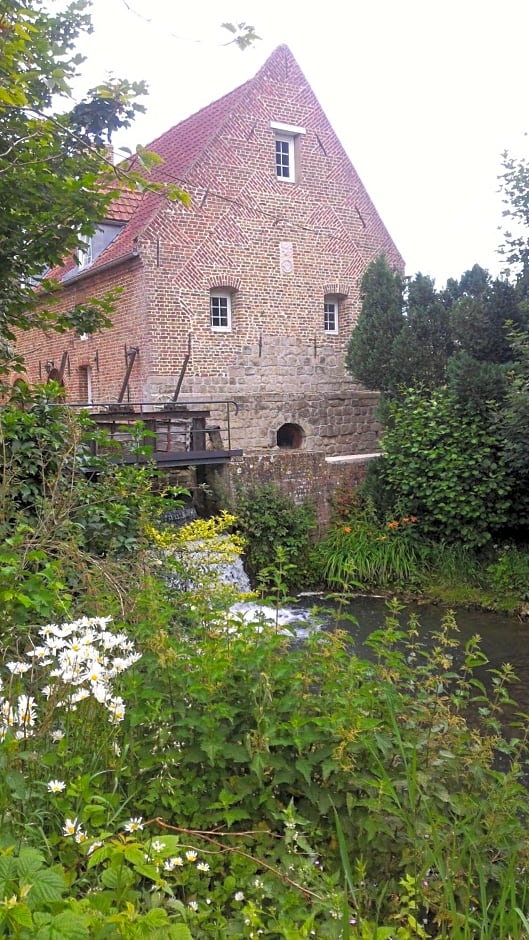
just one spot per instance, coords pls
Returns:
(179, 148)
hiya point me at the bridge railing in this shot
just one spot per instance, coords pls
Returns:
(172, 428)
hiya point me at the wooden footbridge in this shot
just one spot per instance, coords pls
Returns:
(174, 435)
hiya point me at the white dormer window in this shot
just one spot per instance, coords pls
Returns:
(220, 311)
(287, 150)
(330, 314)
(85, 255)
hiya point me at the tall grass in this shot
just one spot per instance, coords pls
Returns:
(367, 556)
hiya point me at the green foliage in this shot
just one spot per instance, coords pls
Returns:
(361, 553)
(286, 786)
(370, 357)
(56, 180)
(480, 308)
(61, 509)
(476, 384)
(514, 186)
(509, 572)
(51, 159)
(424, 345)
(267, 520)
(447, 467)
(243, 772)
(460, 350)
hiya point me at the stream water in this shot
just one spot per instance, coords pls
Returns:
(504, 639)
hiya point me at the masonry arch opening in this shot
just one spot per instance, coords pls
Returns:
(290, 436)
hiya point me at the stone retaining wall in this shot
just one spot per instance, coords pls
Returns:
(302, 476)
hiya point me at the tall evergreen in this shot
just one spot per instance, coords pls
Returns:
(370, 357)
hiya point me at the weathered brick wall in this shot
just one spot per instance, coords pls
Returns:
(277, 361)
(300, 475)
(103, 352)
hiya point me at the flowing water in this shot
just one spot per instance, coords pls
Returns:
(503, 639)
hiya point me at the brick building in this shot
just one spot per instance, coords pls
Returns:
(255, 285)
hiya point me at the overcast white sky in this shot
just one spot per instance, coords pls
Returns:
(423, 94)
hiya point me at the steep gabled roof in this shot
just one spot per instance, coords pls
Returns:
(179, 149)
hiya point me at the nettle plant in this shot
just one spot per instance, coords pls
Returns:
(234, 783)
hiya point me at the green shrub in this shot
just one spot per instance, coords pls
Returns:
(269, 520)
(363, 554)
(509, 573)
(446, 466)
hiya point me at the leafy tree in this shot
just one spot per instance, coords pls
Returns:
(402, 338)
(476, 384)
(55, 179)
(447, 466)
(515, 427)
(370, 356)
(514, 185)
(482, 311)
(478, 318)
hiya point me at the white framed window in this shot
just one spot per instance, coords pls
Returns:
(220, 310)
(285, 159)
(286, 150)
(330, 314)
(85, 255)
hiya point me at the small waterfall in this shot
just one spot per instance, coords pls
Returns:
(289, 620)
(233, 573)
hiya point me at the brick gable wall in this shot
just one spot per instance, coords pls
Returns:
(243, 224)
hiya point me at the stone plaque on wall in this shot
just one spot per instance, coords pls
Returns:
(286, 257)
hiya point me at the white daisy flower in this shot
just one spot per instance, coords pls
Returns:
(70, 827)
(26, 711)
(174, 862)
(18, 669)
(56, 786)
(116, 709)
(134, 824)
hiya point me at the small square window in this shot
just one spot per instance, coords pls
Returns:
(330, 315)
(220, 310)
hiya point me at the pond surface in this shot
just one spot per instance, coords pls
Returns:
(504, 639)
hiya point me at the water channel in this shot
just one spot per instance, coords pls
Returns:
(504, 639)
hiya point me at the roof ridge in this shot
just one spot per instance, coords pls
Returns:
(183, 146)
(235, 92)
(195, 114)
